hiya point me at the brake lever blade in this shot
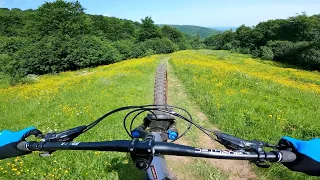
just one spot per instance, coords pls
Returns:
(64, 136)
(235, 143)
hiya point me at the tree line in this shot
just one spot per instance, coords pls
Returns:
(294, 41)
(60, 36)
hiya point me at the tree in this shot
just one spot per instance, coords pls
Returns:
(248, 37)
(60, 17)
(219, 41)
(11, 22)
(175, 36)
(148, 30)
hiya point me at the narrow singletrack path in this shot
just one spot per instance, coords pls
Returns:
(193, 168)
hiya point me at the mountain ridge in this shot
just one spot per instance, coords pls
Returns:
(193, 30)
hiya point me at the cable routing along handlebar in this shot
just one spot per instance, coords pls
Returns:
(142, 152)
(164, 148)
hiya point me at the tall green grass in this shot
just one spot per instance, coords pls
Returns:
(251, 98)
(62, 101)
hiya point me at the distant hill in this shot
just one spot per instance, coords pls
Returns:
(224, 28)
(191, 30)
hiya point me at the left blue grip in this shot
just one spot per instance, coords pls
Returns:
(7, 137)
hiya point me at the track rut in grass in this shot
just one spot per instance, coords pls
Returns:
(222, 169)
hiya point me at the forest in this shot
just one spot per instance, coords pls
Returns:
(293, 41)
(60, 36)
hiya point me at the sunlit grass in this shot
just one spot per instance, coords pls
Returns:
(62, 101)
(246, 97)
(251, 98)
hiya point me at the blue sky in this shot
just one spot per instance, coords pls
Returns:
(210, 13)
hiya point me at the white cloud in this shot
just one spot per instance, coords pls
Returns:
(106, 14)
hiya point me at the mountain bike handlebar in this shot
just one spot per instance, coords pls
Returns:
(164, 148)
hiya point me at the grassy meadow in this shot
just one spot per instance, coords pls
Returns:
(251, 98)
(247, 97)
(62, 101)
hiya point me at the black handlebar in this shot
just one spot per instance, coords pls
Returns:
(164, 148)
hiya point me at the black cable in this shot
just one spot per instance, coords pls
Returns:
(91, 125)
(134, 118)
(190, 121)
(124, 120)
(177, 115)
(145, 108)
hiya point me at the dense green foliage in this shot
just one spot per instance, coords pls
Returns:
(59, 36)
(294, 40)
(191, 30)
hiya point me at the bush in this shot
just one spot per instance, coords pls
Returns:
(228, 46)
(286, 50)
(244, 50)
(183, 45)
(256, 53)
(139, 50)
(88, 51)
(311, 58)
(55, 54)
(160, 46)
(125, 47)
(10, 45)
(5, 61)
(266, 53)
(149, 52)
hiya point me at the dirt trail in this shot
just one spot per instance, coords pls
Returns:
(234, 170)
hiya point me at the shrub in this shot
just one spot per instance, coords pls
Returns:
(256, 53)
(10, 45)
(310, 58)
(87, 51)
(286, 50)
(244, 50)
(5, 61)
(228, 46)
(125, 48)
(55, 54)
(149, 52)
(266, 53)
(160, 46)
(138, 50)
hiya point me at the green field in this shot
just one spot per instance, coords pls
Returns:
(66, 100)
(252, 98)
(246, 97)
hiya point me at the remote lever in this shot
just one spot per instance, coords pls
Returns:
(232, 142)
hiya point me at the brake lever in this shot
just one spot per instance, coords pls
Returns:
(64, 136)
(235, 143)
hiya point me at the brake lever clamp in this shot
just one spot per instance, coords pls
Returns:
(262, 155)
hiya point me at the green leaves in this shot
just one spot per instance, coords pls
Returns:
(59, 36)
(148, 30)
(293, 40)
(60, 17)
